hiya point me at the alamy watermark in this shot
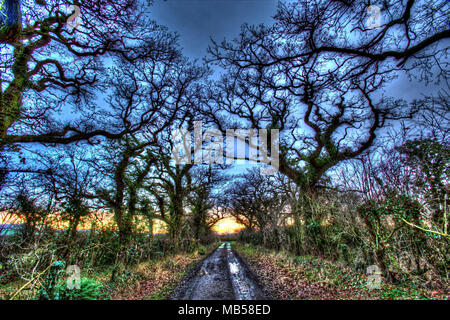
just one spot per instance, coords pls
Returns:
(374, 277)
(74, 280)
(374, 19)
(74, 21)
(208, 147)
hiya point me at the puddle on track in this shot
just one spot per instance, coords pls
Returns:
(220, 276)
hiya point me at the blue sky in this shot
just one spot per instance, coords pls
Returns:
(198, 20)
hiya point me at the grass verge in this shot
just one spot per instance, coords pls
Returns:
(156, 279)
(290, 277)
(150, 280)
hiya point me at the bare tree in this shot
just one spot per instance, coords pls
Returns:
(317, 75)
(257, 202)
(49, 68)
(204, 200)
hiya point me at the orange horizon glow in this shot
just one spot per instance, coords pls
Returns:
(228, 225)
(99, 220)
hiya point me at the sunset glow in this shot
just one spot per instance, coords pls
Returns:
(227, 226)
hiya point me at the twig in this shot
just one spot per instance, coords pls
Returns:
(33, 279)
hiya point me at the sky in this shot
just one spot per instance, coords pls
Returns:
(198, 20)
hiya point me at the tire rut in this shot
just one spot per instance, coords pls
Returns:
(220, 276)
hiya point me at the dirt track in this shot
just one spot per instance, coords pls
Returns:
(220, 276)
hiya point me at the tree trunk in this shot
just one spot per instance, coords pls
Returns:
(380, 256)
(11, 21)
(123, 224)
(73, 227)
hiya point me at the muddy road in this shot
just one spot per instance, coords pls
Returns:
(223, 275)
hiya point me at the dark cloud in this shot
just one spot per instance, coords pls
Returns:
(198, 20)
